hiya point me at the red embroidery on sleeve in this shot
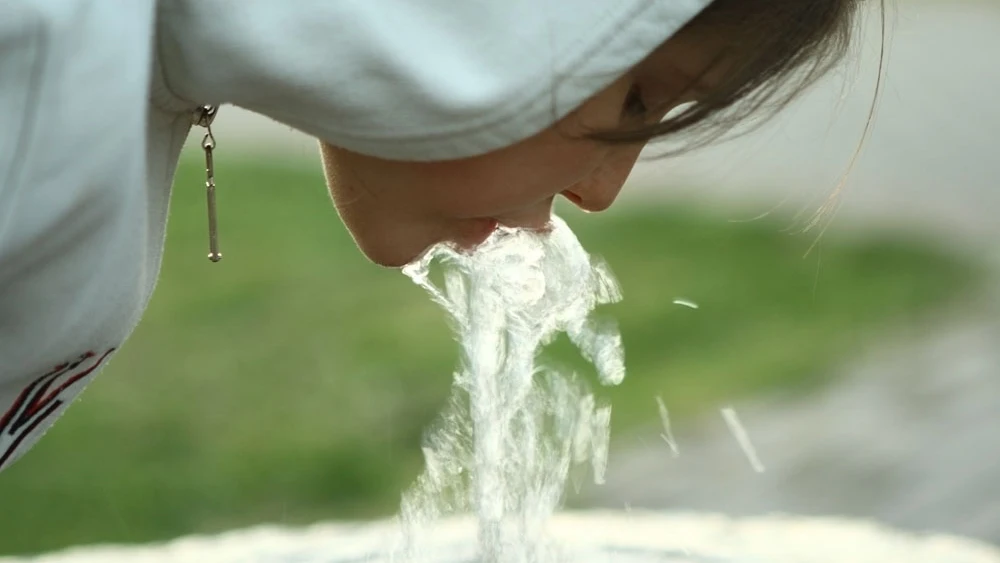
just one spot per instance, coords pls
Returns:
(36, 404)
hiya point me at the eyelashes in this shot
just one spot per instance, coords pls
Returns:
(634, 104)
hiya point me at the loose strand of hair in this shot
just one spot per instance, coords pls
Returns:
(826, 212)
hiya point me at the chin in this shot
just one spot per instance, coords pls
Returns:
(391, 256)
(398, 253)
(391, 259)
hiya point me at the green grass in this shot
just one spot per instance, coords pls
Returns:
(292, 381)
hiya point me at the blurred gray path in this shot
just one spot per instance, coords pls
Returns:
(910, 434)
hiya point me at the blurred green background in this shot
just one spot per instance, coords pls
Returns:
(292, 382)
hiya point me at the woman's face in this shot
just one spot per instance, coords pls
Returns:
(396, 210)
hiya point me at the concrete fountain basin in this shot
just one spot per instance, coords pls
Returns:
(604, 537)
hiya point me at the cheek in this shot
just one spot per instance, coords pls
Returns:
(516, 178)
(553, 161)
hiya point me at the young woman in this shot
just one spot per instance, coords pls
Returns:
(437, 121)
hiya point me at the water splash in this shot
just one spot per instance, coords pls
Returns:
(742, 438)
(668, 434)
(513, 430)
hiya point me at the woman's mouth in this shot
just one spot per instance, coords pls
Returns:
(574, 198)
(475, 232)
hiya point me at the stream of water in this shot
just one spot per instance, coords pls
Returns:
(514, 428)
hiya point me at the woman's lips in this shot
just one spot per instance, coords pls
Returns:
(475, 232)
(577, 200)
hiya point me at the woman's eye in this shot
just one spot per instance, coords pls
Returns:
(634, 105)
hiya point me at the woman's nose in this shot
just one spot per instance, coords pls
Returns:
(591, 199)
(599, 191)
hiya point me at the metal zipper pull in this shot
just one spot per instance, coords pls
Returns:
(204, 117)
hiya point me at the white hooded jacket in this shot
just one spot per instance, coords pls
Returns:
(96, 99)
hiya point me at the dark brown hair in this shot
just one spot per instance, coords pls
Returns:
(773, 51)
